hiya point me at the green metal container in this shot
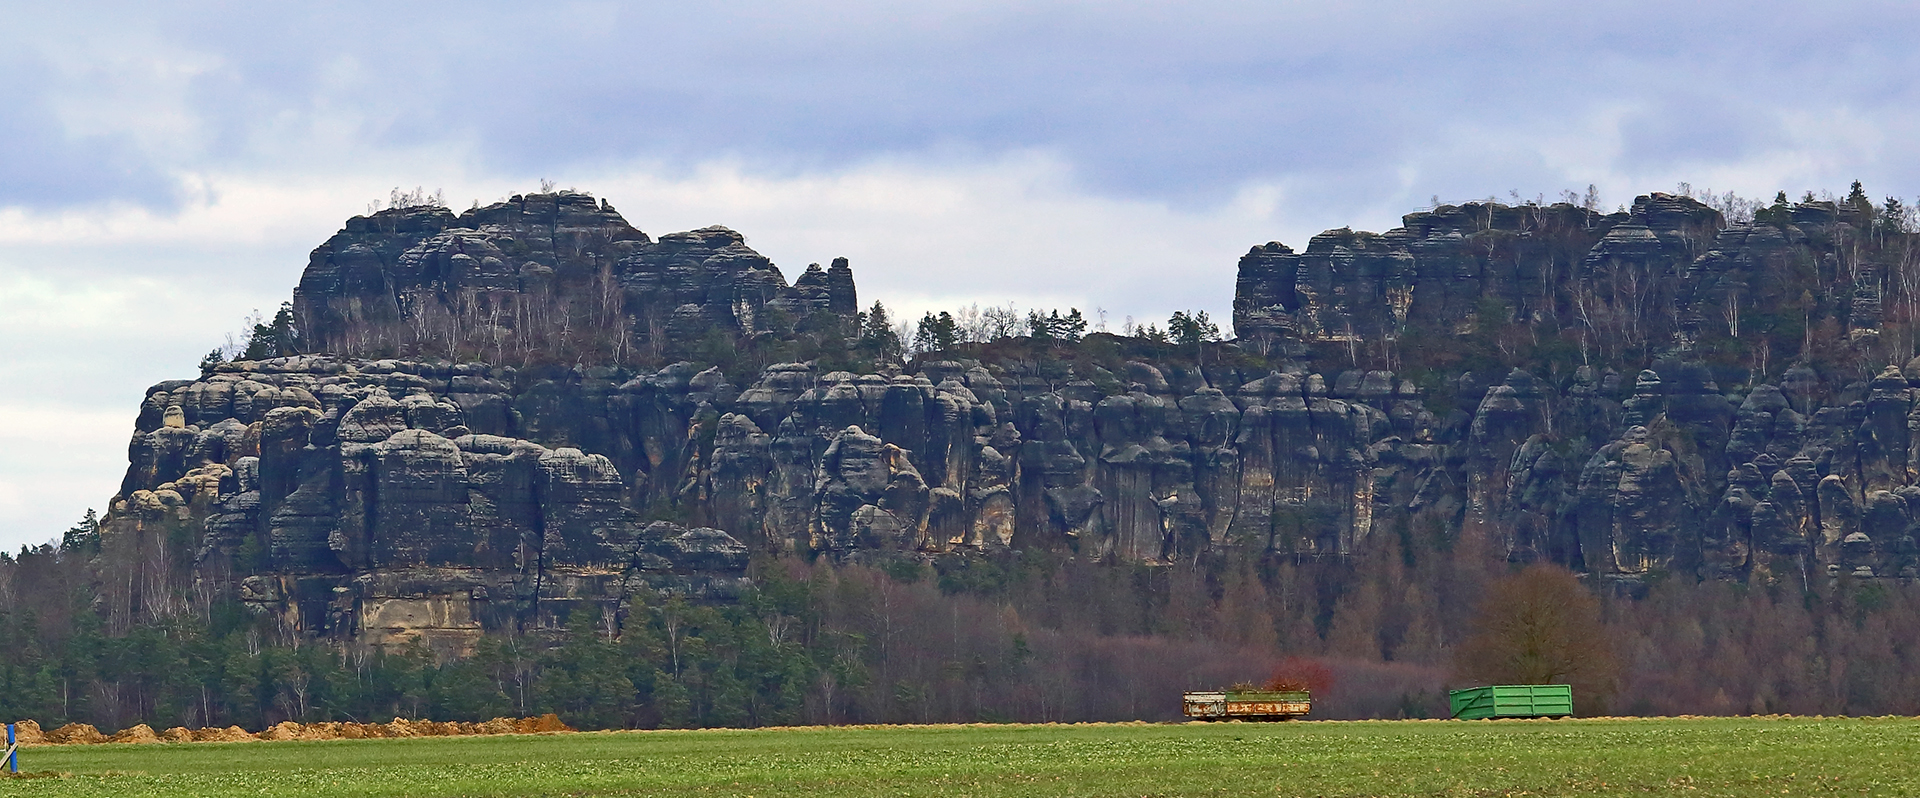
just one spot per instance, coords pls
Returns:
(1512, 701)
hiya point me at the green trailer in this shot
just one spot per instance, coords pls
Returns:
(1246, 704)
(1512, 701)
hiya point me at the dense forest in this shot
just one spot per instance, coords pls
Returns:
(1025, 636)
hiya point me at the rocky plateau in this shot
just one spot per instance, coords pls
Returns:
(505, 414)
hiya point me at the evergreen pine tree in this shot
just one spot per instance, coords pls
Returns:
(1893, 216)
(1857, 200)
(1037, 326)
(83, 538)
(878, 340)
(936, 333)
(1072, 327)
(278, 337)
(1192, 329)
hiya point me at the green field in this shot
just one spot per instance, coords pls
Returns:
(1736, 756)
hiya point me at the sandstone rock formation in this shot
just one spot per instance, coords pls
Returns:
(558, 275)
(498, 475)
(1696, 464)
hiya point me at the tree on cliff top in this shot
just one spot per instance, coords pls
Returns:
(1192, 329)
(276, 338)
(878, 339)
(936, 333)
(1055, 327)
(1857, 199)
(84, 537)
(1540, 626)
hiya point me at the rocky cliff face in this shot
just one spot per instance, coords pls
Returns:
(1759, 439)
(384, 500)
(355, 500)
(550, 277)
(1625, 276)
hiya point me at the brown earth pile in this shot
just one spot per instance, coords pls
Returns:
(284, 730)
(139, 733)
(545, 723)
(352, 731)
(497, 726)
(230, 734)
(325, 731)
(76, 733)
(81, 733)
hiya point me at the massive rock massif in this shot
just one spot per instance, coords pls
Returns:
(523, 409)
(555, 277)
(1758, 439)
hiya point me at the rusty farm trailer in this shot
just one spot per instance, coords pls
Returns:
(1246, 704)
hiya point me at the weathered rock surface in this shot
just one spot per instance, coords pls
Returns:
(357, 513)
(557, 274)
(1662, 269)
(1787, 476)
(387, 500)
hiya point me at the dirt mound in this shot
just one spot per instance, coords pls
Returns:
(76, 733)
(139, 733)
(284, 730)
(545, 723)
(450, 728)
(337, 730)
(81, 733)
(321, 731)
(497, 726)
(230, 734)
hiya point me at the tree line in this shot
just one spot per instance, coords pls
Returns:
(947, 330)
(1018, 636)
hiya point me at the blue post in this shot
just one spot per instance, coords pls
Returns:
(13, 755)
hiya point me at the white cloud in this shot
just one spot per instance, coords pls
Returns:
(1015, 229)
(54, 464)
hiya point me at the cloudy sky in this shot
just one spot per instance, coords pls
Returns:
(165, 167)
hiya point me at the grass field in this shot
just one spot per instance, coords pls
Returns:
(1728, 756)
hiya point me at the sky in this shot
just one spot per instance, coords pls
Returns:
(165, 167)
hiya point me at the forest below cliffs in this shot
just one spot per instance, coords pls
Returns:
(1012, 637)
(529, 459)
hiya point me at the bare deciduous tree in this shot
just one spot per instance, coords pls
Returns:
(1540, 626)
